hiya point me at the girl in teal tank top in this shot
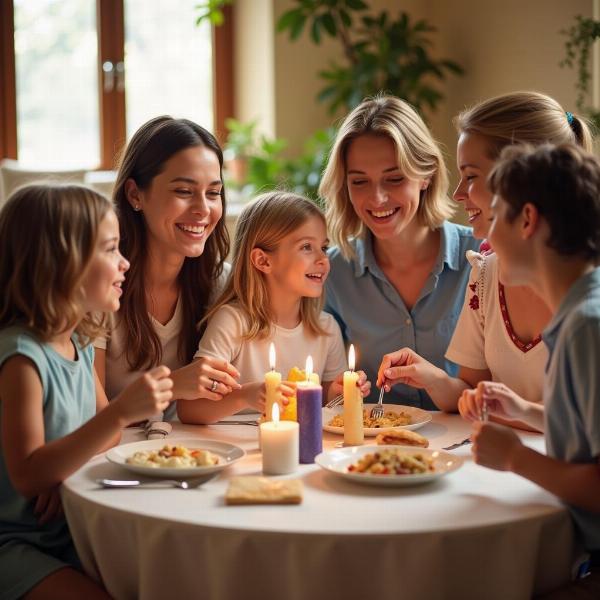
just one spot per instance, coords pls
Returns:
(61, 270)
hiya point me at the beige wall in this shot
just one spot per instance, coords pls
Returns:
(254, 72)
(503, 46)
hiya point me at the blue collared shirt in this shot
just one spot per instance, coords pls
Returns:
(373, 316)
(572, 387)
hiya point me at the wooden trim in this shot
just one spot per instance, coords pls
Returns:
(8, 95)
(111, 47)
(223, 80)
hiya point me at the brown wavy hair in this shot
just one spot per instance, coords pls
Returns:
(263, 224)
(153, 144)
(48, 233)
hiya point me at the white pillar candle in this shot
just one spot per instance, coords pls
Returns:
(280, 445)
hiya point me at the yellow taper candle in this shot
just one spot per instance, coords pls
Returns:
(354, 431)
(272, 382)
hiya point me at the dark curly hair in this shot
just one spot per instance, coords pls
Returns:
(563, 183)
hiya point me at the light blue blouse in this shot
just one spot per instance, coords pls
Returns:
(373, 316)
(572, 388)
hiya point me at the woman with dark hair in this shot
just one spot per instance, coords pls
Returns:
(170, 199)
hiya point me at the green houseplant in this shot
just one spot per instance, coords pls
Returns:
(580, 38)
(380, 54)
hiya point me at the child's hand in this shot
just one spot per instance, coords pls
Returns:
(257, 395)
(48, 506)
(495, 446)
(209, 378)
(146, 396)
(337, 387)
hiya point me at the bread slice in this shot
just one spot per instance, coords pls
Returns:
(401, 437)
(263, 490)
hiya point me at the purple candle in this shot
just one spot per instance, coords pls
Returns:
(309, 398)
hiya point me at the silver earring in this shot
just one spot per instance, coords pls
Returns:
(137, 208)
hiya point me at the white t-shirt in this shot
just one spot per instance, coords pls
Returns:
(223, 340)
(483, 338)
(118, 374)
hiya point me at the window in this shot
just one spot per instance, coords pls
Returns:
(82, 75)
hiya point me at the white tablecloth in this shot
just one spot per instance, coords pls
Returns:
(475, 533)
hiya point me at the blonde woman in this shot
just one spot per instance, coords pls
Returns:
(273, 294)
(497, 341)
(399, 270)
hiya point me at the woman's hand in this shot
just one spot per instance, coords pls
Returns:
(501, 401)
(48, 506)
(205, 377)
(406, 366)
(495, 446)
(337, 386)
(146, 396)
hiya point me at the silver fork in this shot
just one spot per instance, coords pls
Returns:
(377, 410)
(129, 483)
(335, 401)
(458, 444)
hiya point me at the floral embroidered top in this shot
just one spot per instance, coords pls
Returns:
(484, 337)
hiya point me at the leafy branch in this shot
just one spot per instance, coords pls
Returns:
(381, 53)
(580, 38)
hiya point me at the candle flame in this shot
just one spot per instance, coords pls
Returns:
(351, 358)
(275, 413)
(309, 367)
(272, 356)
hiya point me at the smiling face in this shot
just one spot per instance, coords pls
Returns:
(182, 205)
(510, 245)
(106, 271)
(299, 265)
(384, 199)
(474, 166)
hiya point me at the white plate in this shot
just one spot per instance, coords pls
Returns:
(418, 416)
(227, 453)
(337, 462)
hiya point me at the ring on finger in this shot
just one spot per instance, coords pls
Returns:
(214, 385)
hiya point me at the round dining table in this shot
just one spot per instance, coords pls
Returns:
(474, 533)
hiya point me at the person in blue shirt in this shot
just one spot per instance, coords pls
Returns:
(398, 271)
(546, 232)
(61, 269)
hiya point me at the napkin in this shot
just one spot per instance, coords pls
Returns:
(263, 490)
(156, 430)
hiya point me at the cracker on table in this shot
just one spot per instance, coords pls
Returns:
(263, 490)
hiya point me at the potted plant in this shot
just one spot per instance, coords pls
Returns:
(580, 37)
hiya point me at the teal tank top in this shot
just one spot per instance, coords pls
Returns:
(69, 400)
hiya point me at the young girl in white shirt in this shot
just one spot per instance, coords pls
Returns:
(273, 294)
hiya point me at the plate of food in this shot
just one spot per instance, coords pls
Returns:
(395, 416)
(389, 465)
(177, 458)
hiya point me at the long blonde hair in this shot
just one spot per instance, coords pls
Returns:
(263, 224)
(523, 118)
(48, 234)
(419, 156)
